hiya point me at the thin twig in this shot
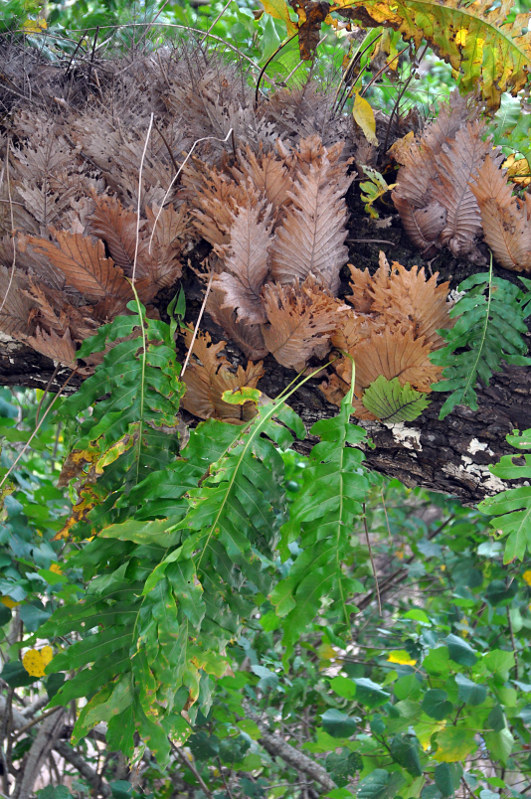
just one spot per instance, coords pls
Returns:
(198, 322)
(227, 4)
(37, 427)
(12, 274)
(137, 235)
(182, 757)
(375, 575)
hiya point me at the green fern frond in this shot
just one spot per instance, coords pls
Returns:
(334, 486)
(489, 330)
(392, 402)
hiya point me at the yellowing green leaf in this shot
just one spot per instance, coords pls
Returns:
(454, 743)
(485, 50)
(402, 657)
(278, 9)
(364, 117)
(241, 396)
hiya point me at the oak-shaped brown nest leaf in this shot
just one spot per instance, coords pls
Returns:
(506, 219)
(301, 318)
(85, 266)
(248, 337)
(391, 353)
(403, 298)
(15, 305)
(52, 312)
(159, 245)
(311, 237)
(268, 173)
(458, 163)
(216, 198)
(209, 375)
(58, 347)
(432, 195)
(246, 262)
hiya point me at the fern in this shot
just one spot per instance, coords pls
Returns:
(512, 507)
(392, 402)
(489, 330)
(335, 484)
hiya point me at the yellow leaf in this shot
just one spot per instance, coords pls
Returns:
(55, 568)
(364, 117)
(518, 170)
(460, 36)
(34, 25)
(8, 602)
(36, 660)
(402, 657)
(526, 575)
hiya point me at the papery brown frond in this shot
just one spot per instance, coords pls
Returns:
(424, 211)
(268, 173)
(84, 265)
(301, 319)
(59, 348)
(391, 353)
(311, 237)
(404, 298)
(246, 263)
(208, 376)
(458, 163)
(506, 219)
(16, 306)
(53, 312)
(247, 337)
(216, 202)
(116, 225)
(355, 328)
(161, 265)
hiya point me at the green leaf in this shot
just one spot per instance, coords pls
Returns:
(489, 330)
(404, 750)
(448, 778)
(470, 692)
(436, 705)
(512, 507)
(454, 743)
(344, 687)
(460, 651)
(500, 745)
(338, 724)
(389, 401)
(380, 784)
(16, 675)
(370, 693)
(342, 765)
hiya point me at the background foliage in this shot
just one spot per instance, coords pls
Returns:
(200, 595)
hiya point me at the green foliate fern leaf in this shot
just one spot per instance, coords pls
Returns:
(392, 402)
(318, 535)
(489, 330)
(512, 508)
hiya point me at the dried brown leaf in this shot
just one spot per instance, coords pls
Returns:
(268, 173)
(301, 321)
(247, 337)
(59, 348)
(17, 307)
(506, 219)
(246, 263)
(208, 376)
(83, 262)
(311, 237)
(458, 163)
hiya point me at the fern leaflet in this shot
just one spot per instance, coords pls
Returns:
(489, 330)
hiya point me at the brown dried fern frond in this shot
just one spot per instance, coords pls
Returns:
(209, 375)
(301, 319)
(310, 239)
(506, 219)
